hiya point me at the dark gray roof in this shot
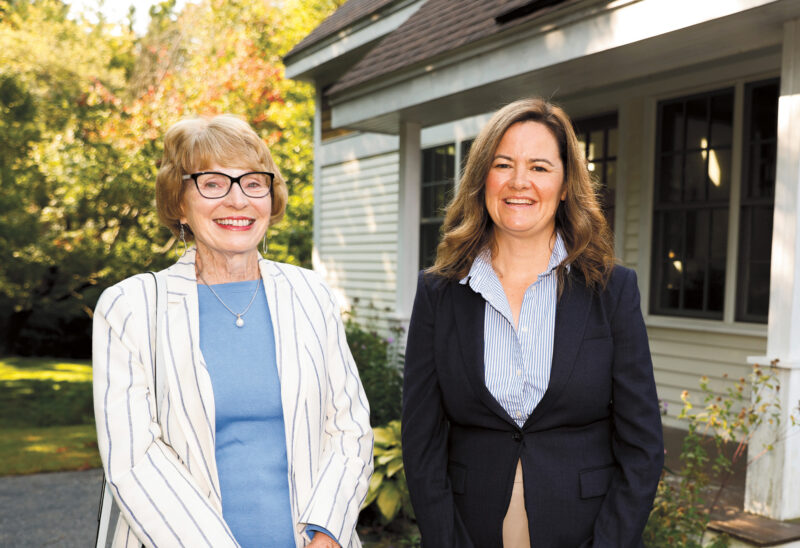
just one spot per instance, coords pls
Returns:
(351, 12)
(440, 26)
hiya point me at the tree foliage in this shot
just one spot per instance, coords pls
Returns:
(83, 108)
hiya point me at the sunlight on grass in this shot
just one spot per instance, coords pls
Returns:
(49, 449)
(50, 369)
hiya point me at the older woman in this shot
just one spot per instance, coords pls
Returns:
(250, 427)
(530, 414)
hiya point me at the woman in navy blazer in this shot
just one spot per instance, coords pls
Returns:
(530, 414)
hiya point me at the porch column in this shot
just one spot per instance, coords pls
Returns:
(316, 262)
(773, 478)
(408, 216)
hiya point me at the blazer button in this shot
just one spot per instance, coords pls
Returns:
(516, 436)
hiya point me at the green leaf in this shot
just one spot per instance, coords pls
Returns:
(389, 501)
(393, 467)
(388, 456)
(374, 488)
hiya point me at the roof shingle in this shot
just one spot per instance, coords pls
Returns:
(351, 12)
(440, 26)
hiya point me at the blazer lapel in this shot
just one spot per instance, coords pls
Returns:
(469, 312)
(572, 312)
(189, 384)
(280, 296)
(286, 327)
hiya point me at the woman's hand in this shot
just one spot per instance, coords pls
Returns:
(321, 540)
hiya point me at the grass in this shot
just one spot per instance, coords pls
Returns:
(45, 369)
(48, 449)
(45, 392)
(46, 416)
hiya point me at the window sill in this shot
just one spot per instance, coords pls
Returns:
(712, 326)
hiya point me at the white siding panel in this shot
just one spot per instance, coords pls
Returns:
(681, 357)
(357, 235)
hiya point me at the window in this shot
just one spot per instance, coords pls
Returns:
(465, 148)
(598, 137)
(691, 204)
(438, 173)
(758, 200)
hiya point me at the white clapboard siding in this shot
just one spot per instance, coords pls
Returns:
(681, 357)
(357, 235)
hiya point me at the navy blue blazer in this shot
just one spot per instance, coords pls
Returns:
(591, 451)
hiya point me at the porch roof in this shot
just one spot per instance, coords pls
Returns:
(351, 12)
(441, 26)
(466, 63)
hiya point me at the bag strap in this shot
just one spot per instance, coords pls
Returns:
(106, 497)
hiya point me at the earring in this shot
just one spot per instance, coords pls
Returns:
(183, 241)
(264, 245)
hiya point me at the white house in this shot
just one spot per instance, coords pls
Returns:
(690, 114)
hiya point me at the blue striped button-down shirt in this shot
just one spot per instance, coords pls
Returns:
(517, 361)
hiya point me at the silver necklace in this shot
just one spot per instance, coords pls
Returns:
(239, 319)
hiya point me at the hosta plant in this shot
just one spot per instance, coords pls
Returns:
(387, 487)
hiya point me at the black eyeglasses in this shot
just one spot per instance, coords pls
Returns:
(214, 185)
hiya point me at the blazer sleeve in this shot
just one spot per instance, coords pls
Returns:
(155, 492)
(638, 438)
(425, 431)
(346, 463)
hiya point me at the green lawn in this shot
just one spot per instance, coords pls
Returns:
(48, 449)
(46, 416)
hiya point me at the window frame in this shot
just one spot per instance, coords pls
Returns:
(728, 324)
(435, 220)
(603, 122)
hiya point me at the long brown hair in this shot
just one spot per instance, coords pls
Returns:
(468, 228)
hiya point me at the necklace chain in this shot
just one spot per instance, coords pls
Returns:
(239, 320)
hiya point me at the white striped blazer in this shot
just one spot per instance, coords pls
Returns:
(163, 473)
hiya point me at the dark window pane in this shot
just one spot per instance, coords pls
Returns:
(697, 235)
(671, 290)
(764, 177)
(438, 171)
(465, 147)
(719, 233)
(716, 287)
(429, 240)
(693, 184)
(697, 123)
(758, 189)
(722, 120)
(758, 291)
(763, 106)
(761, 233)
(694, 278)
(719, 174)
(669, 180)
(595, 137)
(673, 236)
(672, 127)
(695, 177)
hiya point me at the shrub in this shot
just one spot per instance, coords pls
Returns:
(382, 380)
(681, 510)
(387, 487)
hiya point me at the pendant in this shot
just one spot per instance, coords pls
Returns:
(239, 321)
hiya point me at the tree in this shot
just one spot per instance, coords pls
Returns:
(80, 143)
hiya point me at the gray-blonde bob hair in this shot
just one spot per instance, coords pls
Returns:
(195, 144)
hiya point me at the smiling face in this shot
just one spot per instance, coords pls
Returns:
(525, 183)
(226, 226)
